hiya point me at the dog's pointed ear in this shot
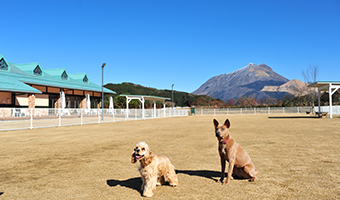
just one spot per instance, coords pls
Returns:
(133, 158)
(215, 123)
(227, 123)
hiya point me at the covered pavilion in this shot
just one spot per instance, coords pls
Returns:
(327, 86)
(142, 99)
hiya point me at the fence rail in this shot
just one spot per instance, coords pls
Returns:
(325, 109)
(253, 111)
(267, 110)
(25, 118)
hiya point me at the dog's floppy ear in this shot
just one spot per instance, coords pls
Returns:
(149, 153)
(133, 158)
(147, 160)
(215, 123)
(227, 123)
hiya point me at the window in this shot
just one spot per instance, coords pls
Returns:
(3, 65)
(37, 71)
(64, 76)
(85, 80)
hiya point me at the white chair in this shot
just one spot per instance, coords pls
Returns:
(37, 112)
(111, 111)
(20, 112)
(25, 112)
(94, 111)
(63, 112)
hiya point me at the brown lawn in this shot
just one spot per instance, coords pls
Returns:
(297, 158)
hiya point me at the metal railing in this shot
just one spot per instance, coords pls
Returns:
(29, 118)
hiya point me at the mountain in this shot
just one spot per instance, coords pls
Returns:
(294, 87)
(249, 80)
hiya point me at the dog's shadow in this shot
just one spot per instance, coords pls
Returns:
(213, 175)
(132, 183)
(136, 183)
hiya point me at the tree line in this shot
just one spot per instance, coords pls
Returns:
(184, 99)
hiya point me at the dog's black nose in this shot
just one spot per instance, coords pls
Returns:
(217, 133)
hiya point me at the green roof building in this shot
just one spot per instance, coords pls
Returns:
(29, 85)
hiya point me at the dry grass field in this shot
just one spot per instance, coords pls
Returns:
(297, 158)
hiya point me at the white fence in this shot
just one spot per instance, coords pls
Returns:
(254, 111)
(24, 118)
(325, 109)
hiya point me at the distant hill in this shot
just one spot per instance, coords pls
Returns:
(294, 87)
(180, 98)
(248, 81)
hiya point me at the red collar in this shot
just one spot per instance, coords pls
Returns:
(225, 142)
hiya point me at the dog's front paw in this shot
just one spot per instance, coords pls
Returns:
(220, 181)
(147, 194)
(173, 184)
(226, 183)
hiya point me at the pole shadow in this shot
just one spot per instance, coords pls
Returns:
(295, 117)
(132, 183)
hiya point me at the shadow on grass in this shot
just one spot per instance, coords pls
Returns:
(1, 193)
(295, 117)
(136, 183)
(132, 183)
(213, 175)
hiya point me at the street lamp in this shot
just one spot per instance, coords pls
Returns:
(103, 90)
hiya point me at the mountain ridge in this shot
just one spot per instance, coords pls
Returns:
(240, 82)
(294, 87)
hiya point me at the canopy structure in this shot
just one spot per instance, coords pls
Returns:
(142, 99)
(331, 87)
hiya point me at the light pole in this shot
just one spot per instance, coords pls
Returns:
(103, 90)
(172, 98)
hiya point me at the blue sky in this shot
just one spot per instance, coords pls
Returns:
(157, 43)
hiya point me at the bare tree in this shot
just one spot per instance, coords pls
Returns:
(310, 76)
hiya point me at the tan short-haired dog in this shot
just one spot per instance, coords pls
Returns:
(155, 169)
(240, 163)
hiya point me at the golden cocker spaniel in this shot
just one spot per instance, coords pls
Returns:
(155, 169)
